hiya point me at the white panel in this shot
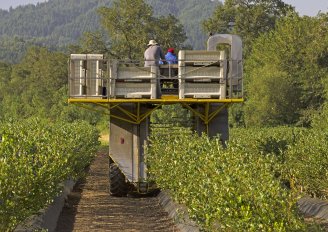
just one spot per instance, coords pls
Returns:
(78, 56)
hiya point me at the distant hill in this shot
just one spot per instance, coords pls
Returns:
(57, 23)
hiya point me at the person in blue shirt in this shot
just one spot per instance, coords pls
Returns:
(170, 56)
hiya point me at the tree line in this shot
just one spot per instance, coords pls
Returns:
(57, 24)
(285, 60)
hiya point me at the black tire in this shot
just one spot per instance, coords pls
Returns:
(118, 185)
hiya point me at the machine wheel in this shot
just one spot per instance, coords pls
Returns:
(117, 182)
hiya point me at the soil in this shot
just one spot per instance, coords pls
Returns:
(90, 207)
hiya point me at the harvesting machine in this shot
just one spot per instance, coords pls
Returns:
(206, 82)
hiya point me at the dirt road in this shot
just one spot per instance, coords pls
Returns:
(91, 208)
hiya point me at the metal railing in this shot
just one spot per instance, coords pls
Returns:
(96, 77)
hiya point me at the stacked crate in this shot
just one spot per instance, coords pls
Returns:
(132, 81)
(86, 76)
(202, 74)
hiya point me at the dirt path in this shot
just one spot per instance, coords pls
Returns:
(91, 208)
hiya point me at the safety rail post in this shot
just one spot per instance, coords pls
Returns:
(154, 82)
(112, 77)
(223, 75)
(181, 71)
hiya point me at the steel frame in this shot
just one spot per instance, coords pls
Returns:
(105, 106)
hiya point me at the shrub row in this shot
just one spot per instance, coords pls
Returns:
(36, 156)
(302, 155)
(252, 185)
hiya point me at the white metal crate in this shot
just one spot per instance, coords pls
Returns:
(132, 81)
(198, 57)
(202, 74)
(86, 75)
(203, 90)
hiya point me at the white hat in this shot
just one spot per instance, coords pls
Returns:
(152, 42)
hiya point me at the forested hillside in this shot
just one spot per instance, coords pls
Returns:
(57, 23)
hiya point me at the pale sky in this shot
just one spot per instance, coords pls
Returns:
(304, 7)
(309, 7)
(5, 4)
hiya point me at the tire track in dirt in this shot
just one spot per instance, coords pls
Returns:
(91, 208)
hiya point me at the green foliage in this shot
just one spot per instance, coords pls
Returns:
(5, 70)
(57, 24)
(169, 31)
(174, 115)
(249, 18)
(31, 85)
(12, 49)
(38, 87)
(190, 13)
(301, 155)
(286, 75)
(320, 119)
(233, 189)
(128, 24)
(62, 111)
(252, 185)
(236, 115)
(131, 25)
(93, 43)
(36, 156)
(271, 98)
(307, 160)
(54, 23)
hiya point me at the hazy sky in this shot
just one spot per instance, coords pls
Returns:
(5, 4)
(309, 7)
(304, 7)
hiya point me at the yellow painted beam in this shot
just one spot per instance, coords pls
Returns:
(207, 109)
(142, 117)
(124, 119)
(129, 114)
(137, 117)
(194, 111)
(85, 106)
(154, 101)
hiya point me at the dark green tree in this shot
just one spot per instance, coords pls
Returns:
(93, 42)
(128, 25)
(12, 49)
(37, 86)
(32, 83)
(190, 13)
(131, 24)
(169, 31)
(5, 72)
(57, 24)
(287, 72)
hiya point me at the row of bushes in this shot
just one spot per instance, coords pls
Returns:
(302, 155)
(36, 156)
(252, 185)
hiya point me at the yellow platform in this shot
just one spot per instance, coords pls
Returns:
(112, 106)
